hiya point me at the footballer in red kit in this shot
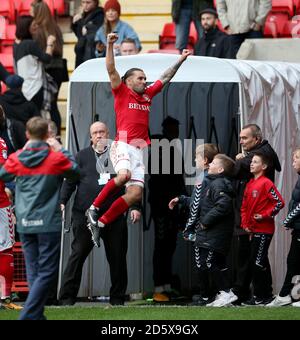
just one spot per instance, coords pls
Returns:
(132, 106)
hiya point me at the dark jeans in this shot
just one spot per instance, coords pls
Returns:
(183, 28)
(41, 253)
(212, 270)
(238, 39)
(243, 268)
(164, 248)
(261, 270)
(293, 264)
(115, 242)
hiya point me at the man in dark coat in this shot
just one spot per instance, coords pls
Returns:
(95, 171)
(251, 141)
(85, 26)
(214, 42)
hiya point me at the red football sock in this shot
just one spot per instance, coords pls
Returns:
(116, 209)
(109, 189)
(6, 272)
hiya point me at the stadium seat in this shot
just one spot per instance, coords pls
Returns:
(270, 29)
(7, 60)
(24, 7)
(59, 7)
(283, 6)
(277, 19)
(169, 51)
(167, 38)
(8, 38)
(292, 28)
(297, 6)
(7, 10)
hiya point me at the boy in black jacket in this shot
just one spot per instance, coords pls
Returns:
(215, 231)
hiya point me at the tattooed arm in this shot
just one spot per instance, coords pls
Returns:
(170, 72)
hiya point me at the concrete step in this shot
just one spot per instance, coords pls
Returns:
(145, 6)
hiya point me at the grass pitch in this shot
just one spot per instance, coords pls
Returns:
(163, 313)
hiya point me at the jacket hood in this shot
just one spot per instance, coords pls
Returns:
(14, 97)
(34, 154)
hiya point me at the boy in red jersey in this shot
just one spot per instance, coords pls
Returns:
(132, 105)
(7, 240)
(261, 203)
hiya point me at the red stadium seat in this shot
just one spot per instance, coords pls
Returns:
(8, 38)
(7, 9)
(193, 33)
(279, 20)
(297, 6)
(7, 60)
(270, 30)
(167, 38)
(17, 3)
(59, 7)
(283, 6)
(24, 7)
(292, 28)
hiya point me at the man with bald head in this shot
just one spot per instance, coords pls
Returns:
(95, 166)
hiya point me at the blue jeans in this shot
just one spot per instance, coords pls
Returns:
(183, 28)
(41, 253)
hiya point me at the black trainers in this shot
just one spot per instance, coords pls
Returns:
(95, 231)
(92, 215)
(189, 234)
(256, 301)
(201, 301)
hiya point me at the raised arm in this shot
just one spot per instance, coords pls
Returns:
(113, 74)
(170, 72)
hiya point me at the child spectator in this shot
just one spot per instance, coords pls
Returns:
(214, 233)
(261, 203)
(292, 221)
(205, 153)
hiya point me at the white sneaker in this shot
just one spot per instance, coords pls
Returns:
(280, 301)
(296, 304)
(223, 299)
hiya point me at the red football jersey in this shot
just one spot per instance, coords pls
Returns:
(132, 113)
(4, 201)
(260, 197)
